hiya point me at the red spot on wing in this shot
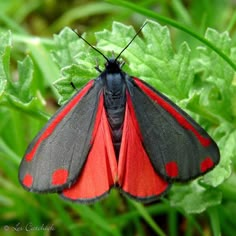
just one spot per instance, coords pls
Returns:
(29, 156)
(136, 175)
(172, 111)
(100, 170)
(206, 164)
(28, 180)
(172, 169)
(59, 176)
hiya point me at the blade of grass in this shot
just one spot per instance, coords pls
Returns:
(8, 152)
(143, 212)
(172, 222)
(232, 22)
(79, 12)
(90, 215)
(214, 219)
(11, 24)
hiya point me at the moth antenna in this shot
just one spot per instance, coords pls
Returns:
(91, 45)
(73, 86)
(131, 41)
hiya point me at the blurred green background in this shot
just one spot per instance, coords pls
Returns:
(27, 28)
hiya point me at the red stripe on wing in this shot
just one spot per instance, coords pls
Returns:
(100, 170)
(29, 156)
(172, 111)
(136, 175)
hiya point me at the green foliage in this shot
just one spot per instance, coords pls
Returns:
(199, 77)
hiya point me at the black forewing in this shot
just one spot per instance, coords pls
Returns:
(66, 148)
(166, 141)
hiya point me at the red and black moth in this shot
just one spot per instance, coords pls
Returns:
(117, 131)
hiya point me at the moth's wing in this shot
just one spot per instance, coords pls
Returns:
(136, 175)
(179, 149)
(55, 158)
(100, 169)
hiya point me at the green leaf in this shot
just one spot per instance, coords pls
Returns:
(17, 92)
(218, 94)
(193, 198)
(152, 58)
(227, 145)
(165, 20)
(75, 61)
(213, 98)
(21, 89)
